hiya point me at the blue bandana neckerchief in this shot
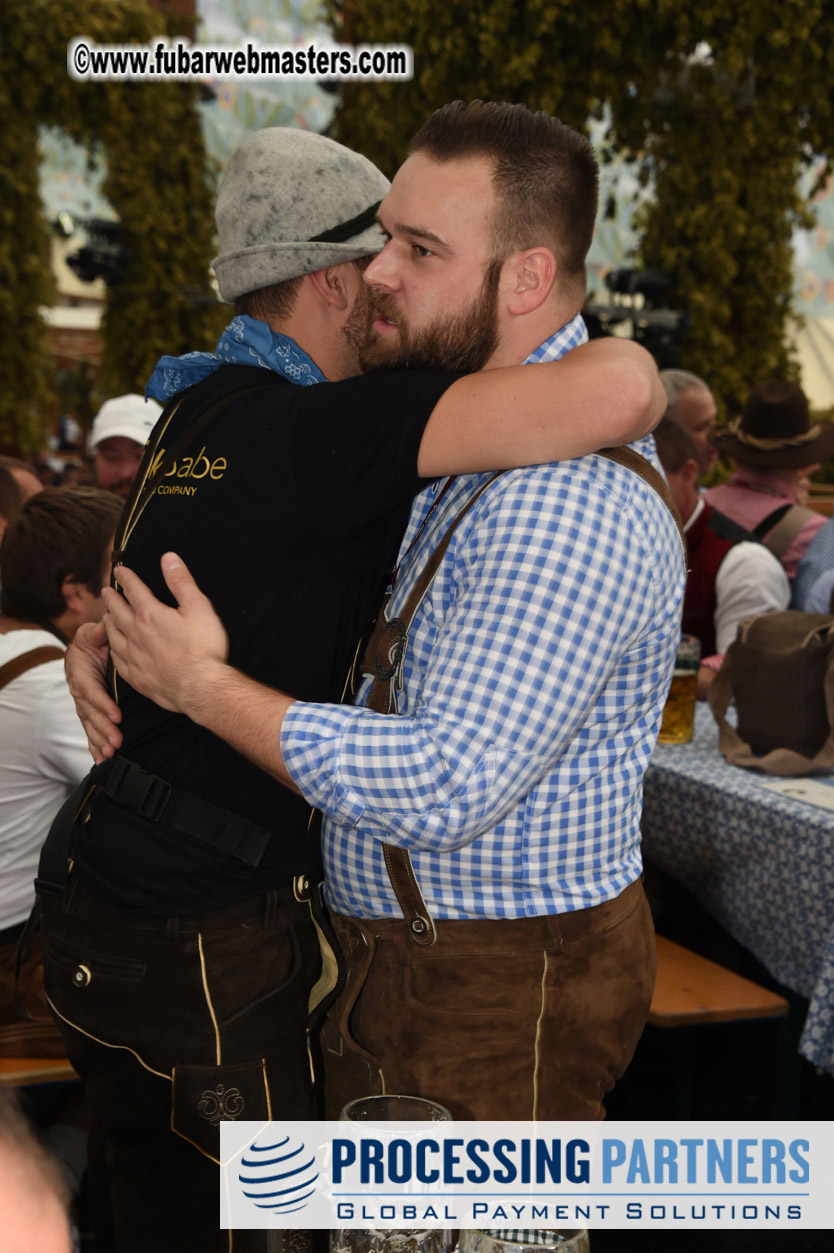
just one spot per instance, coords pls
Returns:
(245, 341)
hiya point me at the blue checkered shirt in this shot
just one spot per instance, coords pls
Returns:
(534, 680)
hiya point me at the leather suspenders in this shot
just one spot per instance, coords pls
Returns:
(385, 655)
(27, 661)
(383, 660)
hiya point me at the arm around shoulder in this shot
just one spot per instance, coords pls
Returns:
(604, 393)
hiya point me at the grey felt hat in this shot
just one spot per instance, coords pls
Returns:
(292, 202)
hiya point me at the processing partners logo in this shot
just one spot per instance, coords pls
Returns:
(475, 1175)
(278, 1174)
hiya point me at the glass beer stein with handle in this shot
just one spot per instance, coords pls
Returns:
(381, 1110)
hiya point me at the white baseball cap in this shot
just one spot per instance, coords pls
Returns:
(130, 416)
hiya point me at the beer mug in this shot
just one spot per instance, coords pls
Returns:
(679, 710)
(394, 1108)
(383, 1109)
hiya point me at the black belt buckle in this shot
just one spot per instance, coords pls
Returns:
(155, 799)
(144, 793)
(45, 887)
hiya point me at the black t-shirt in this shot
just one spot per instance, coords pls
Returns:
(288, 506)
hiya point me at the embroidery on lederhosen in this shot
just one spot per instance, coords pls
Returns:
(221, 1103)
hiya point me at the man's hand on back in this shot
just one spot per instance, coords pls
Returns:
(169, 655)
(86, 667)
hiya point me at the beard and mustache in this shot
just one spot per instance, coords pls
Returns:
(462, 341)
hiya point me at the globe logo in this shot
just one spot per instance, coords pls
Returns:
(278, 1176)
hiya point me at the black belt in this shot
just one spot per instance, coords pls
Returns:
(154, 798)
(141, 792)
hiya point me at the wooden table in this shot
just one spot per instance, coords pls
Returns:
(760, 862)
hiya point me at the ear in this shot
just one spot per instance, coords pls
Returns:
(530, 276)
(74, 593)
(331, 286)
(689, 471)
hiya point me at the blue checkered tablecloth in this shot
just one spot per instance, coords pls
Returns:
(761, 863)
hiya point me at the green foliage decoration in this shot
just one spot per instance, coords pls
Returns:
(724, 134)
(720, 105)
(159, 182)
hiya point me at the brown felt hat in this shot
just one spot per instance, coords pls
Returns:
(775, 431)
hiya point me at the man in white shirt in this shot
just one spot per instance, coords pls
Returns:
(54, 556)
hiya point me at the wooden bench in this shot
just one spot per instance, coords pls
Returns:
(691, 989)
(21, 1071)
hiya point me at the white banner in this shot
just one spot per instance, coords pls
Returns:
(536, 1175)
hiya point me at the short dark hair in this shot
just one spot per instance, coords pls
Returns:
(60, 532)
(545, 174)
(675, 445)
(11, 496)
(276, 301)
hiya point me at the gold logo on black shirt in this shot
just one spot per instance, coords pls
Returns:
(199, 467)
